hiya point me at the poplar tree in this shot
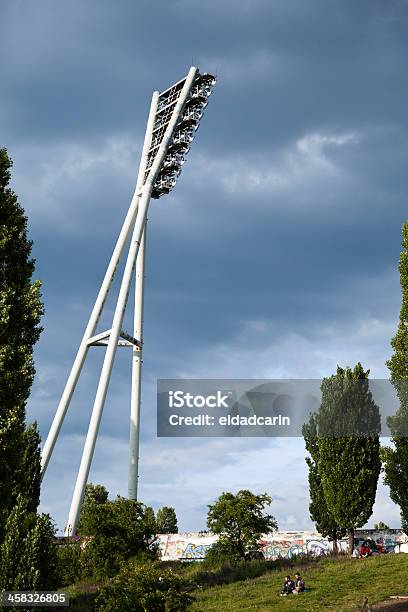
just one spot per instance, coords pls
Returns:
(27, 550)
(348, 424)
(395, 460)
(20, 313)
(325, 522)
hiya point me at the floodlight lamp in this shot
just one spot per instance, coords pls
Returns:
(166, 181)
(174, 160)
(193, 113)
(188, 123)
(201, 91)
(183, 137)
(208, 79)
(200, 103)
(181, 148)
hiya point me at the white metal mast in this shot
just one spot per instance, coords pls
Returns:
(173, 118)
(137, 360)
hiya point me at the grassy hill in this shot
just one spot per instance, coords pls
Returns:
(334, 585)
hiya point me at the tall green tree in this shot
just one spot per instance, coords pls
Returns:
(240, 521)
(325, 522)
(166, 520)
(20, 313)
(395, 460)
(348, 423)
(27, 553)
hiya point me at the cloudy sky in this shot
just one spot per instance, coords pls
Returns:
(275, 256)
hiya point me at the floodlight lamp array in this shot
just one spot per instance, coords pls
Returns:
(183, 134)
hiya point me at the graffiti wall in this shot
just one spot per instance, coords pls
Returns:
(289, 543)
(185, 546)
(194, 545)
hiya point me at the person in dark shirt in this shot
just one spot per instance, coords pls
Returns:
(299, 584)
(288, 586)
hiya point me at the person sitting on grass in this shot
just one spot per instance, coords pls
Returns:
(288, 586)
(299, 584)
(365, 550)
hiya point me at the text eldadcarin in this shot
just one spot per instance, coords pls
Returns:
(210, 411)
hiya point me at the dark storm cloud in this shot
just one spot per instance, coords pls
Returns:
(77, 73)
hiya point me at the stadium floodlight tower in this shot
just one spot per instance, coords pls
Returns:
(173, 119)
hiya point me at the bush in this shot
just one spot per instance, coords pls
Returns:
(120, 529)
(68, 563)
(145, 588)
